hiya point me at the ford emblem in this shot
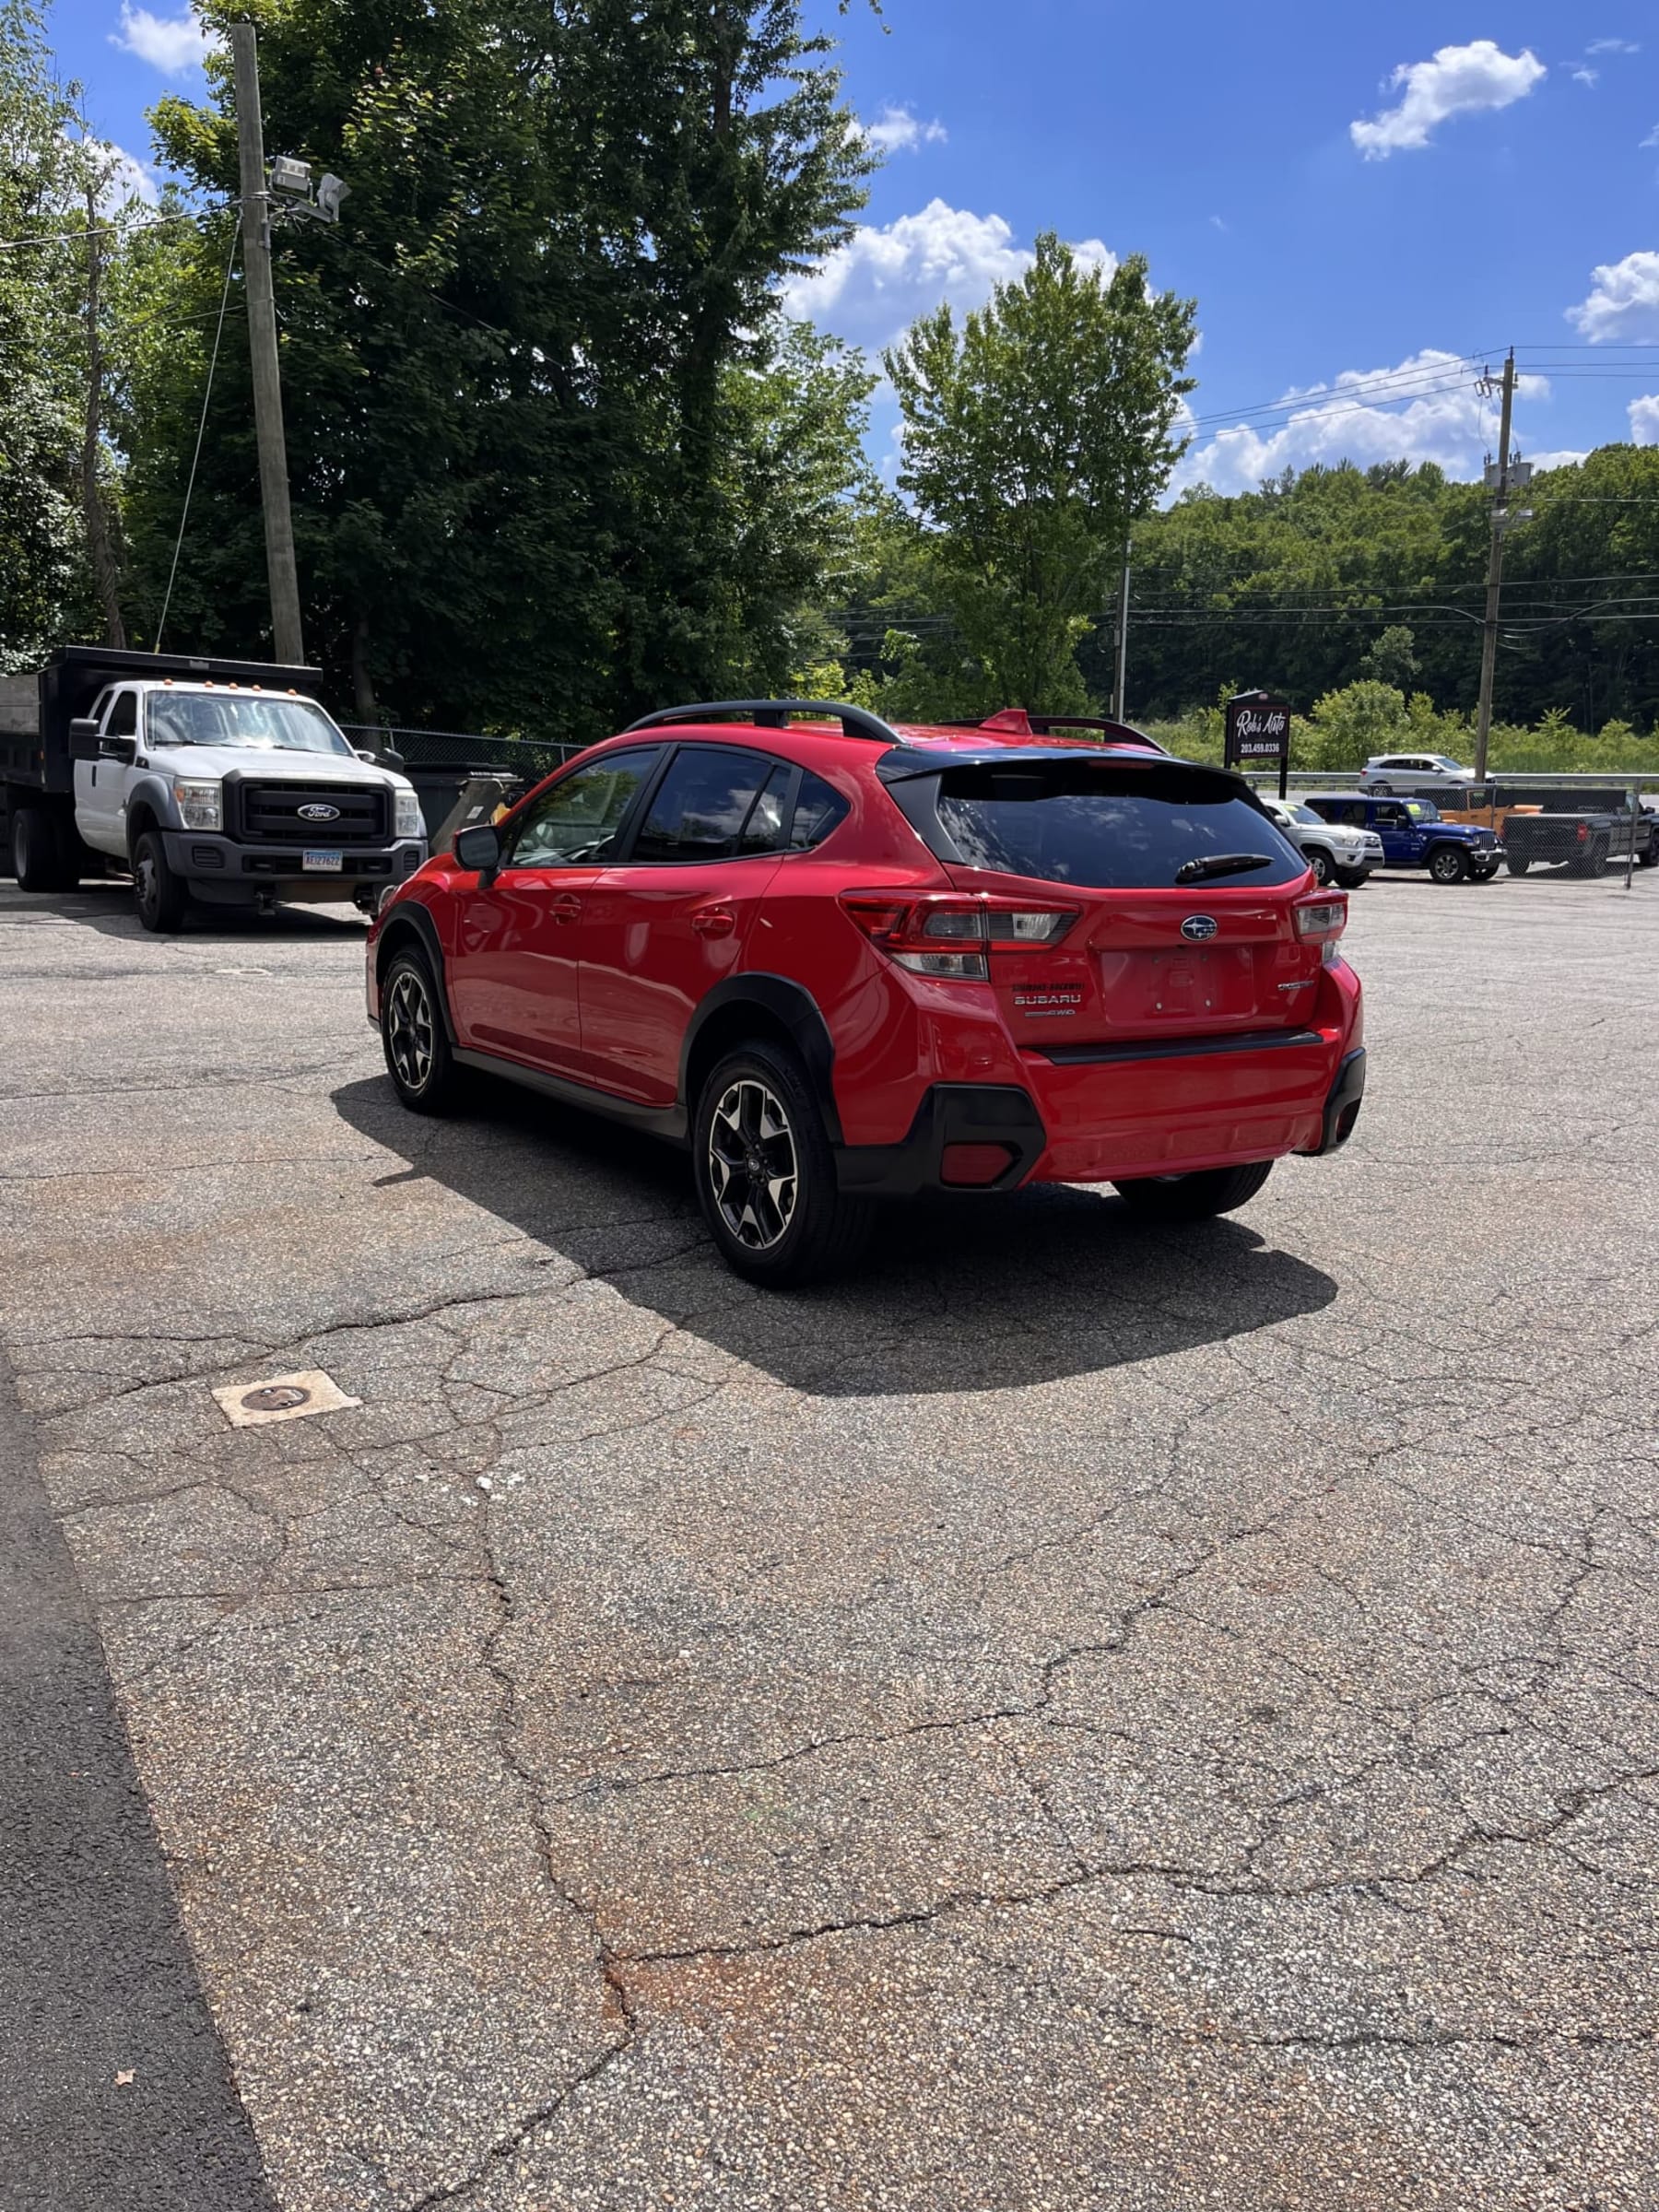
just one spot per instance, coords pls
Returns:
(318, 811)
(1200, 928)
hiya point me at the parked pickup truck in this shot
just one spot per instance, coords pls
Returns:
(1414, 835)
(218, 780)
(1584, 840)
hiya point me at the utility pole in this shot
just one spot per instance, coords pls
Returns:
(1488, 639)
(1123, 636)
(98, 522)
(287, 640)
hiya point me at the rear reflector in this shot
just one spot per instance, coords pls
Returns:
(967, 1166)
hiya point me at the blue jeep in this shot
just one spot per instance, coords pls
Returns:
(1414, 835)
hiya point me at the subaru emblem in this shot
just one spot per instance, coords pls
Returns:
(319, 812)
(1200, 928)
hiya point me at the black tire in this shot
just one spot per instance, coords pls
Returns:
(1380, 790)
(1195, 1197)
(1448, 864)
(37, 857)
(1596, 865)
(413, 1038)
(160, 896)
(1517, 866)
(1649, 859)
(1353, 879)
(1485, 873)
(765, 1173)
(1320, 863)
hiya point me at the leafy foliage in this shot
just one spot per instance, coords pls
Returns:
(1033, 438)
(538, 472)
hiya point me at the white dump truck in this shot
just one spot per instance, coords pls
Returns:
(222, 781)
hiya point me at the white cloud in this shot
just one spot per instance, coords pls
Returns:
(1612, 46)
(1457, 81)
(170, 43)
(1652, 139)
(872, 288)
(1623, 301)
(1645, 420)
(1565, 457)
(1587, 76)
(1426, 409)
(899, 131)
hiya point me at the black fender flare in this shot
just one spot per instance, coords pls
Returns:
(786, 1002)
(412, 919)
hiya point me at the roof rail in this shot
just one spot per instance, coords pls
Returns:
(773, 713)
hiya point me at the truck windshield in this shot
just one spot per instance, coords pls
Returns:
(292, 725)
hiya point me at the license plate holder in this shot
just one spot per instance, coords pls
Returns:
(323, 860)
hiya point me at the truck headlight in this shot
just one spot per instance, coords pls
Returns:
(408, 821)
(201, 805)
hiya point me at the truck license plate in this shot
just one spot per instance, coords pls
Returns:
(320, 861)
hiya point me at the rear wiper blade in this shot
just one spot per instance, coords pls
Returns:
(1221, 864)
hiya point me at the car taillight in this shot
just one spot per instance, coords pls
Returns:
(1583, 832)
(1321, 921)
(940, 935)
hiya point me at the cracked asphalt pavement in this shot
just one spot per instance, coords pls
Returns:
(1076, 1716)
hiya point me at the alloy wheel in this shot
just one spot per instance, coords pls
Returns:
(752, 1167)
(409, 1030)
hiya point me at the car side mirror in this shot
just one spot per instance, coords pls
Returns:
(480, 848)
(83, 738)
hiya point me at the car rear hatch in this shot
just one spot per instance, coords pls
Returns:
(1179, 913)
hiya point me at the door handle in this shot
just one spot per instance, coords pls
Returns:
(567, 907)
(713, 922)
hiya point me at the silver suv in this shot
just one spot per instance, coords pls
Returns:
(1334, 852)
(1413, 771)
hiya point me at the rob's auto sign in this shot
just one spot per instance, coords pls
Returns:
(1258, 730)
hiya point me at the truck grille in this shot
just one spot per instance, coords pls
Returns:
(270, 814)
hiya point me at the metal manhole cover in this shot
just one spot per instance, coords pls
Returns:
(282, 1398)
(274, 1398)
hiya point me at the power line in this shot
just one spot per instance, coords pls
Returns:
(201, 426)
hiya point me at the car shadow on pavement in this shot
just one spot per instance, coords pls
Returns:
(108, 909)
(954, 1294)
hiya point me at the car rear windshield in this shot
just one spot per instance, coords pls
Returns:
(1099, 824)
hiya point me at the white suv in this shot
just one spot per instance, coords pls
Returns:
(1335, 853)
(1413, 771)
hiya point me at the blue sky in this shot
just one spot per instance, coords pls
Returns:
(1365, 205)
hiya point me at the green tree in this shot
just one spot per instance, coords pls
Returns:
(1033, 436)
(1389, 657)
(521, 464)
(43, 572)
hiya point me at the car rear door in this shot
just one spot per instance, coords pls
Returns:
(514, 975)
(1146, 956)
(669, 921)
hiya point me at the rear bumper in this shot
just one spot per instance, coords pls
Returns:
(1121, 1111)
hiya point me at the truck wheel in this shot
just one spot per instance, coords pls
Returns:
(160, 895)
(1517, 866)
(1195, 1197)
(1350, 879)
(414, 1039)
(1448, 864)
(1649, 859)
(1597, 863)
(38, 852)
(765, 1174)
(1321, 864)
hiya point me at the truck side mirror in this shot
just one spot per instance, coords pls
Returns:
(480, 848)
(83, 738)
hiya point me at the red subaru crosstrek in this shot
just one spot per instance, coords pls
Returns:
(845, 962)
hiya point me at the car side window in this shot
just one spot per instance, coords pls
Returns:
(818, 809)
(576, 821)
(1394, 817)
(123, 716)
(704, 804)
